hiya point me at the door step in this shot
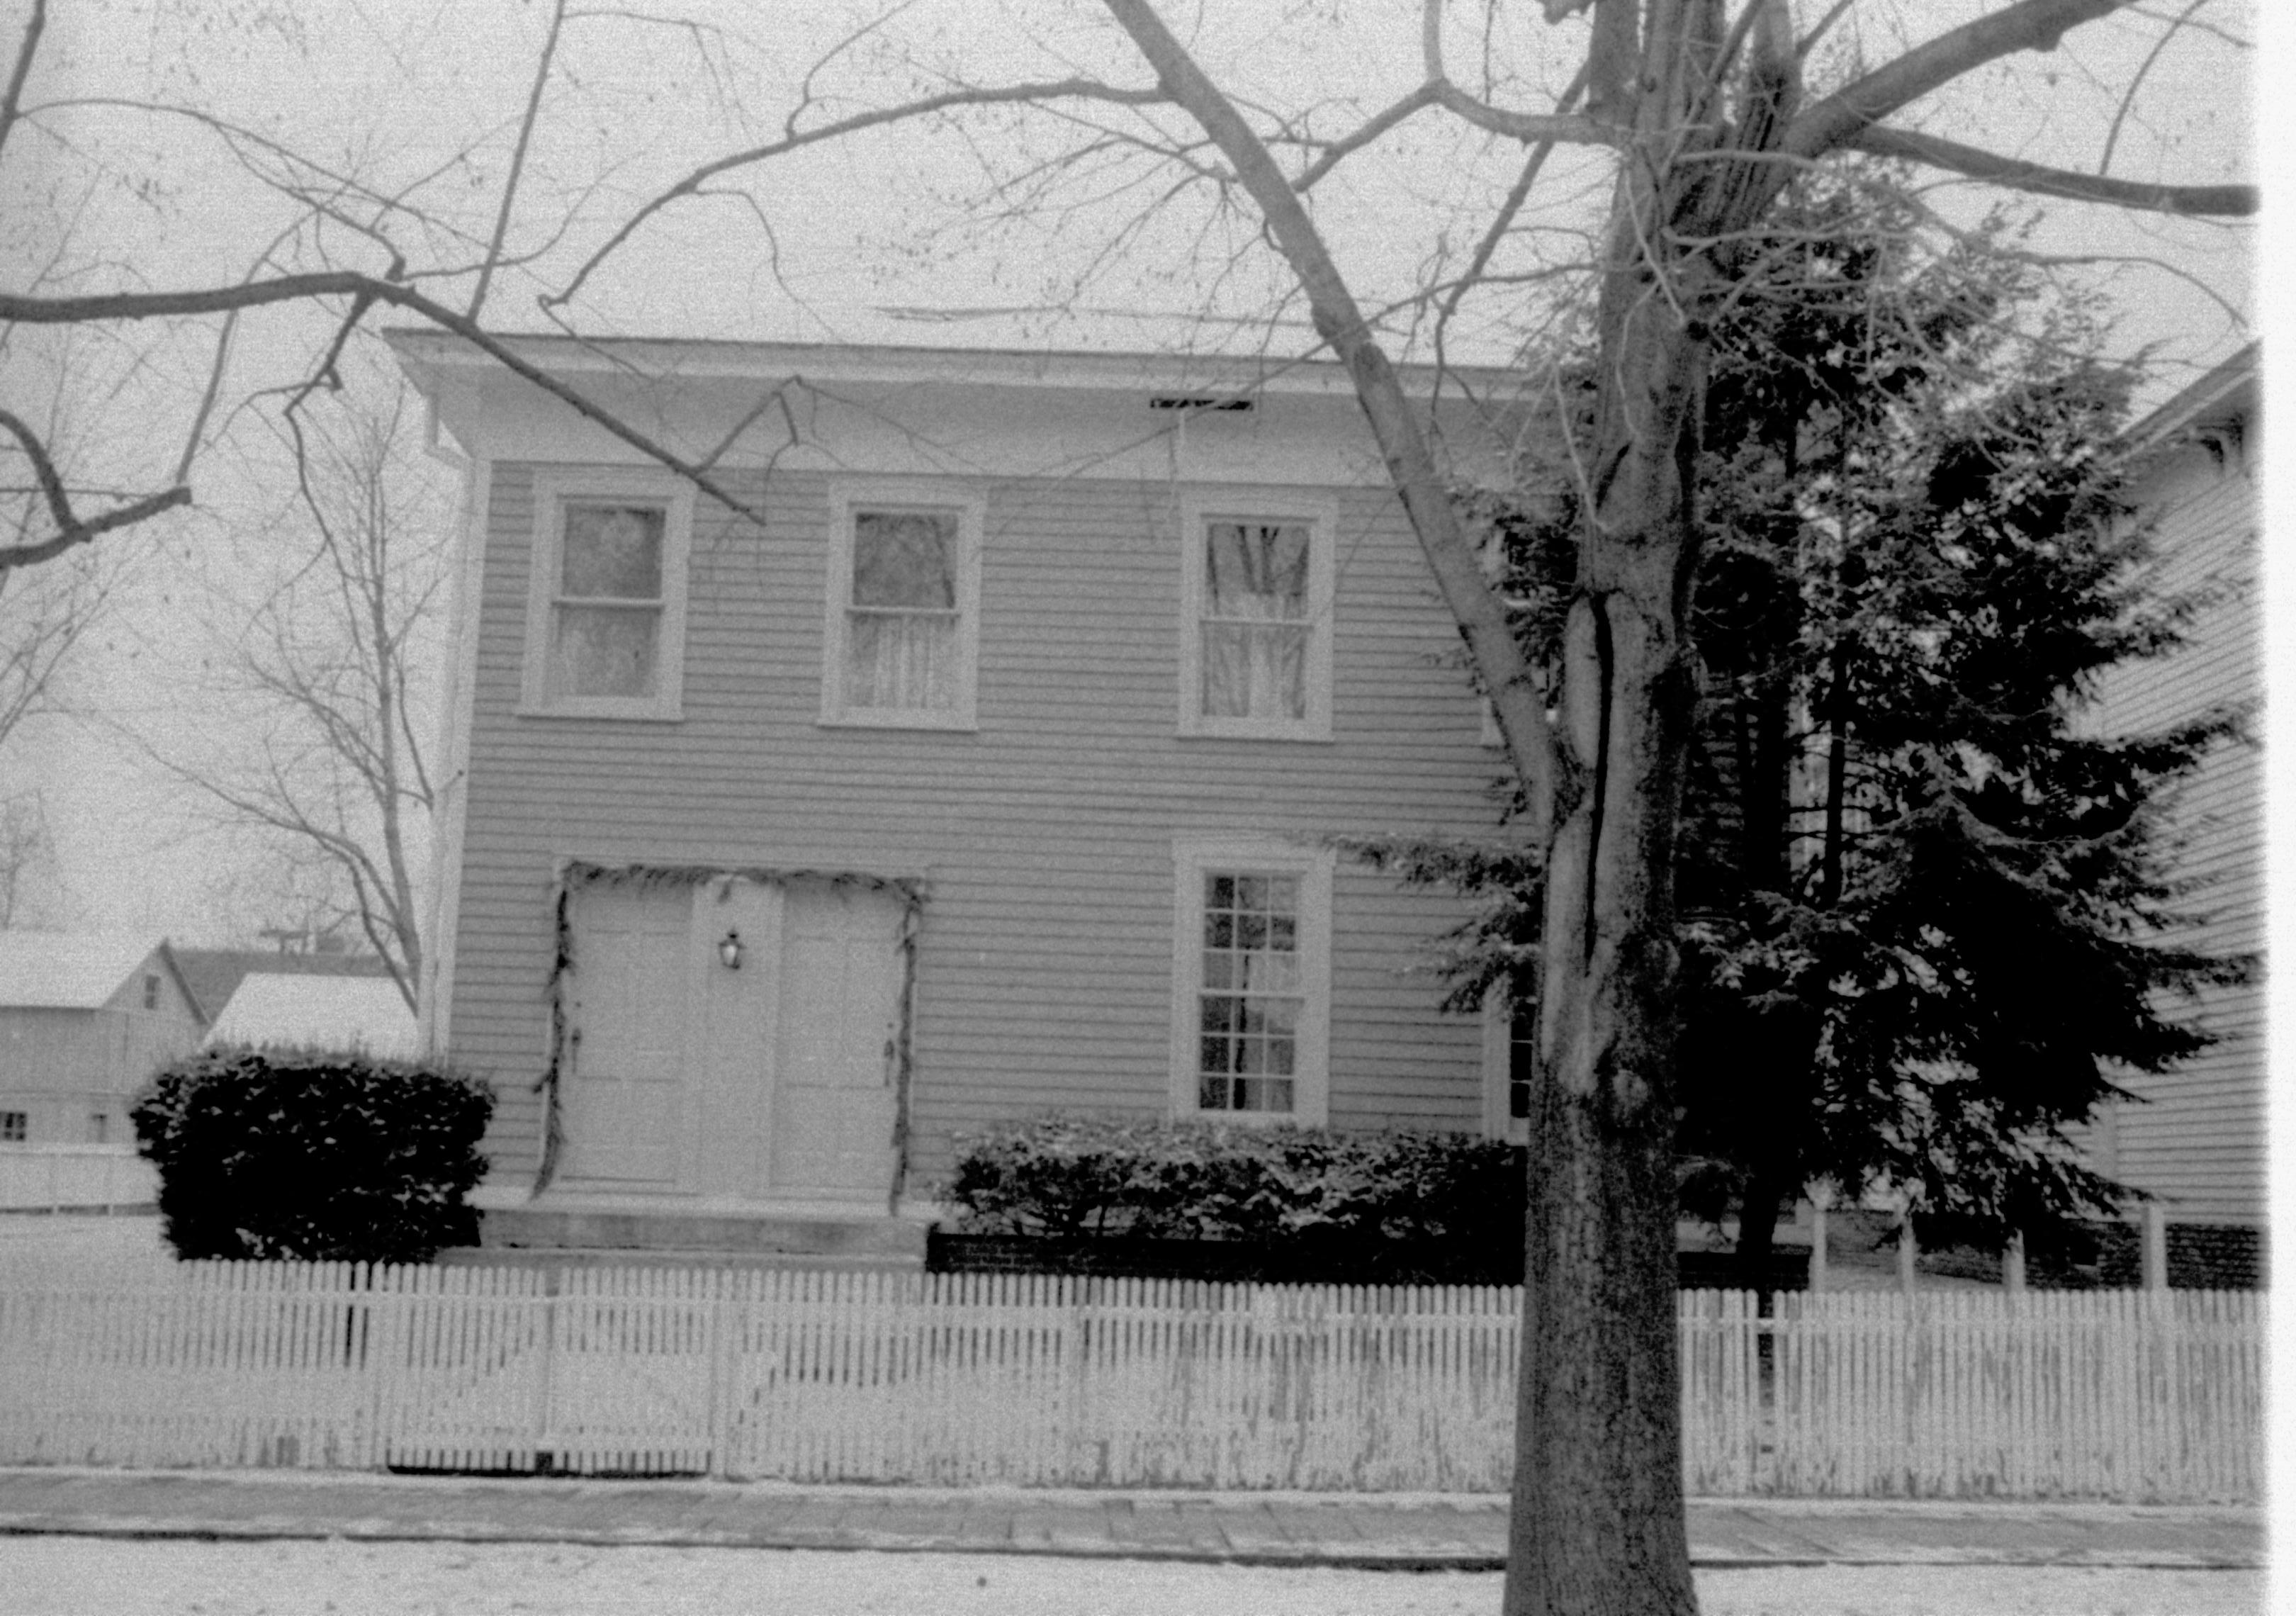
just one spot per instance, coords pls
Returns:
(838, 1239)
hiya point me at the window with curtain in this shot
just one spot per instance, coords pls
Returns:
(606, 611)
(902, 648)
(605, 625)
(1256, 621)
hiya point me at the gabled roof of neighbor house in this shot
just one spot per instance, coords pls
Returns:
(2226, 394)
(78, 970)
(215, 973)
(346, 1013)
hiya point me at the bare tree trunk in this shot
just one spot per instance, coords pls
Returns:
(1597, 1523)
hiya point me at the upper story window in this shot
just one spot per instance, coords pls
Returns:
(1256, 658)
(1252, 970)
(903, 633)
(151, 993)
(606, 615)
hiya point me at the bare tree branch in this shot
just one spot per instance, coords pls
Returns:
(2136, 82)
(2195, 201)
(112, 306)
(542, 65)
(1450, 555)
(25, 49)
(1427, 95)
(72, 529)
(1085, 89)
(1850, 116)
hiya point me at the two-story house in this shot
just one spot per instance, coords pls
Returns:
(2197, 1140)
(978, 758)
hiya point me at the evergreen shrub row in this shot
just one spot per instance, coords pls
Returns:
(1392, 1208)
(312, 1155)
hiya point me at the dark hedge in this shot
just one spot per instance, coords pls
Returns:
(1393, 1208)
(317, 1156)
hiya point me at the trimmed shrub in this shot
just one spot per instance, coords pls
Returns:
(1391, 1207)
(306, 1154)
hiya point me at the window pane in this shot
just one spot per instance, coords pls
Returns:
(604, 651)
(1255, 570)
(905, 558)
(1267, 972)
(1250, 994)
(1254, 671)
(613, 551)
(1262, 1094)
(897, 660)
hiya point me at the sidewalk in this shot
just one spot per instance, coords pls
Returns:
(1362, 1531)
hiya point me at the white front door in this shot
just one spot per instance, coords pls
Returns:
(773, 1079)
(626, 1095)
(835, 1057)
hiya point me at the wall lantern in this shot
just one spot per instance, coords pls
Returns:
(729, 949)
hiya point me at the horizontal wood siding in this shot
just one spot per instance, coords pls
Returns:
(1046, 837)
(2199, 1138)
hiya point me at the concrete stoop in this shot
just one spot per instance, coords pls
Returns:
(597, 1237)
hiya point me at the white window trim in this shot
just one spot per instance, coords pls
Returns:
(1192, 856)
(903, 494)
(1322, 519)
(552, 487)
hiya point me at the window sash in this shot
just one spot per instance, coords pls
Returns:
(606, 603)
(1256, 625)
(1254, 669)
(902, 659)
(1251, 991)
(900, 638)
(606, 649)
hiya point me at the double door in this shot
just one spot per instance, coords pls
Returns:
(771, 1078)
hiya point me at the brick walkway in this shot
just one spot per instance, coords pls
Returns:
(1363, 1531)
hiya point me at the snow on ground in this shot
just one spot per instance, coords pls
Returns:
(71, 1244)
(59, 1576)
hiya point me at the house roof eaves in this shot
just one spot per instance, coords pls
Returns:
(1227, 375)
(2228, 390)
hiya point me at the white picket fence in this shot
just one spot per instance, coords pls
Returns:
(815, 1376)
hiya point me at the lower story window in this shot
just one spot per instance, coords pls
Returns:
(1510, 1063)
(14, 1124)
(1248, 1049)
(1252, 963)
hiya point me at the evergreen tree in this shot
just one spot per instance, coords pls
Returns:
(1921, 907)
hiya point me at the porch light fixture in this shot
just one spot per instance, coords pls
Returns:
(729, 949)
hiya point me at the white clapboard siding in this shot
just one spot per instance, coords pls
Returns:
(1044, 974)
(818, 1376)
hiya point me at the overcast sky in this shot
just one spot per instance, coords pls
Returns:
(882, 238)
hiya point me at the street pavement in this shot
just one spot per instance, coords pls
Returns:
(1363, 1531)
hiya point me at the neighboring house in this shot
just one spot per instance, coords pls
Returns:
(215, 973)
(84, 1022)
(983, 766)
(365, 1014)
(2198, 1142)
